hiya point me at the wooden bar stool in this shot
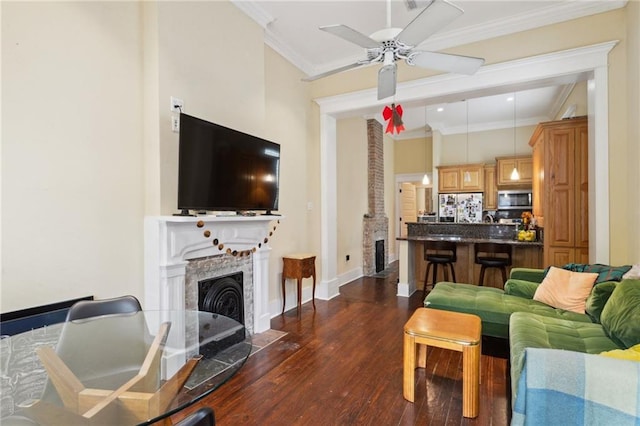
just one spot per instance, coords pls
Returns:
(439, 253)
(447, 330)
(494, 255)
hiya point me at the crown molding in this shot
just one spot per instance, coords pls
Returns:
(255, 12)
(554, 13)
(560, 99)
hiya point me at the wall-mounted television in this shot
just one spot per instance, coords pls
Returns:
(221, 169)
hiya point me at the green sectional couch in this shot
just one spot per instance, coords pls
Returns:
(611, 321)
(495, 306)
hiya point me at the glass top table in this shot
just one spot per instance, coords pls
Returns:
(130, 369)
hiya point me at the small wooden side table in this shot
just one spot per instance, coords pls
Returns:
(447, 330)
(299, 266)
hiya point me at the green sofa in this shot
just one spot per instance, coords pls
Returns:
(611, 321)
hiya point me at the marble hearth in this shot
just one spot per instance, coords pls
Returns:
(179, 249)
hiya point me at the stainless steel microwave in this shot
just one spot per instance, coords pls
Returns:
(515, 199)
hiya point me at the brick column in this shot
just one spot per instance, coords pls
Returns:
(376, 224)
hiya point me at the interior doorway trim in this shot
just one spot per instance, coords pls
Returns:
(584, 63)
(401, 178)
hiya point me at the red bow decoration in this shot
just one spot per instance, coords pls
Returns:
(394, 116)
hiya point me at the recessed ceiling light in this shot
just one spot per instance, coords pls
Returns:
(440, 109)
(510, 98)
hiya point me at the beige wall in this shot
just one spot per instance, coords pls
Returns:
(390, 192)
(633, 110)
(287, 101)
(72, 167)
(352, 194)
(87, 147)
(484, 147)
(413, 155)
(195, 66)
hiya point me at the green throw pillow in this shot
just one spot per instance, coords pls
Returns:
(620, 317)
(605, 272)
(520, 288)
(598, 299)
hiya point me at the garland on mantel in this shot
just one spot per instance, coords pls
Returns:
(216, 242)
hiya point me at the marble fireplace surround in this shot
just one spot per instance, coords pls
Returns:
(171, 242)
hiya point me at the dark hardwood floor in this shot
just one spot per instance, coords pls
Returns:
(342, 365)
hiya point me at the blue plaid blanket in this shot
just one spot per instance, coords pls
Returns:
(559, 387)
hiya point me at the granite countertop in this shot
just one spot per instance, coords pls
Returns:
(467, 233)
(470, 240)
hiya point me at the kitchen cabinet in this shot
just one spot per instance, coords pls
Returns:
(490, 200)
(561, 152)
(537, 184)
(452, 178)
(505, 166)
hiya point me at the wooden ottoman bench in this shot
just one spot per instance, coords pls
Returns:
(448, 330)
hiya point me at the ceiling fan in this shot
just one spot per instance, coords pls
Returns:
(390, 44)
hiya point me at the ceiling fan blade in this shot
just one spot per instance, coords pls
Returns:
(336, 71)
(351, 35)
(445, 62)
(387, 81)
(433, 18)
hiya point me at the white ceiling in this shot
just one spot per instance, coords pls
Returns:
(291, 28)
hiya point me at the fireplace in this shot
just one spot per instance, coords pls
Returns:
(376, 223)
(222, 295)
(380, 259)
(182, 251)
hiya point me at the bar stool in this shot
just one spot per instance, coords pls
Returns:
(435, 254)
(496, 255)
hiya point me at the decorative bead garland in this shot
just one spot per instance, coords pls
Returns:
(207, 234)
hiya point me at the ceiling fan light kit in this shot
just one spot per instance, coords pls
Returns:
(389, 45)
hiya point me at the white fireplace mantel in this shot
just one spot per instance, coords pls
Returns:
(171, 241)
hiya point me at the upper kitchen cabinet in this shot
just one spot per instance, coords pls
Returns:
(505, 166)
(490, 200)
(461, 178)
(562, 189)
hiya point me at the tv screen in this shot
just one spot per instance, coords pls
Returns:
(222, 169)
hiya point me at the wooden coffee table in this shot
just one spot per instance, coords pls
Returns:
(447, 330)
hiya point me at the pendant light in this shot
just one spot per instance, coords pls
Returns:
(425, 178)
(467, 175)
(514, 173)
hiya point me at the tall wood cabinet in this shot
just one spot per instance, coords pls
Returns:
(490, 201)
(560, 189)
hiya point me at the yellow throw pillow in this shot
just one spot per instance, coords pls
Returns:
(631, 354)
(565, 289)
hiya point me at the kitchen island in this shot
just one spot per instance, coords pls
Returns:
(527, 254)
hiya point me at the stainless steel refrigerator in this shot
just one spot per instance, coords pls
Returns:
(462, 208)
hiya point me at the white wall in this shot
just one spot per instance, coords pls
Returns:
(72, 169)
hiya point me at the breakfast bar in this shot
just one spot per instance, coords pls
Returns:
(526, 254)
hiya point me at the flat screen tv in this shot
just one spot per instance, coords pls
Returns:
(221, 169)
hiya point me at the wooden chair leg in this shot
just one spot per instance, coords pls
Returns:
(426, 277)
(504, 275)
(435, 274)
(481, 276)
(453, 272)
